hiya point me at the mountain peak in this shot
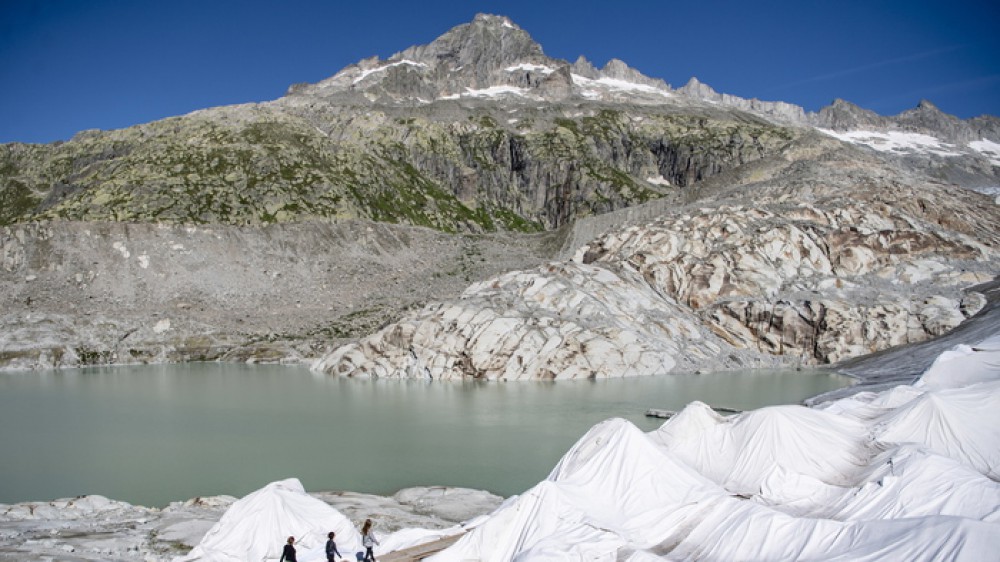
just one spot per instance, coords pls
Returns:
(842, 115)
(618, 70)
(697, 89)
(927, 118)
(584, 68)
(488, 39)
(489, 57)
(494, 20)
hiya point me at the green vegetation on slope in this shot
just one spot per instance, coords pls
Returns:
(260, 164)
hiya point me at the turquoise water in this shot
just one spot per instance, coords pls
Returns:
(154, 434)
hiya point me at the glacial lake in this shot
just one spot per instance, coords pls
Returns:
(150, 435)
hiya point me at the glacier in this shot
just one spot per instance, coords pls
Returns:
(906, 473)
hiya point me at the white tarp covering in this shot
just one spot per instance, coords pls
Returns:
(906, 474)
(256, 528)
(964, 365)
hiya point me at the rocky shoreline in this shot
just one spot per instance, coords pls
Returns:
(92, 528)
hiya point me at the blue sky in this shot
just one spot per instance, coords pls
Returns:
(69, 65)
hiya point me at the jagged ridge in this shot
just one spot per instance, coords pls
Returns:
(477, 131)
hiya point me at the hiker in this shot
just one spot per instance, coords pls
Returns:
(288, 555)
(331, 548)
(368, 540)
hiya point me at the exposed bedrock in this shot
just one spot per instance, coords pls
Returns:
(707, 288)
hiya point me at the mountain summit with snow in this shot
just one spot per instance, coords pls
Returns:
(501, 130)
(493, 61)
(490, 57)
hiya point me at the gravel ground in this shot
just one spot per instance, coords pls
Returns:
(122, 293)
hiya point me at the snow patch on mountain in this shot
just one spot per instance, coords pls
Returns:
(492, 92)
(991, 190)
(988, 149)
(530, 67)
(593, 88)
(897, 142)
(365, 73)
(658, 180)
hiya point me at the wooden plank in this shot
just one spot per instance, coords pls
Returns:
(420, 551)
(667, 414)
(725, 410)
(657, 413)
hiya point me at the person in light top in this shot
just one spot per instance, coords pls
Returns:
(368, 540)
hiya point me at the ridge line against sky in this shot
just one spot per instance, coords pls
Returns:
(71, 65)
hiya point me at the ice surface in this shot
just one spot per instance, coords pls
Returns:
(988, 149)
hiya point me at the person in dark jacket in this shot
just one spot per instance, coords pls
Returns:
(288, 555)
(331, 548)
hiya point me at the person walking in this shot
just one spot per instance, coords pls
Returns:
(368, 540)
(288, 554)
(331, 548)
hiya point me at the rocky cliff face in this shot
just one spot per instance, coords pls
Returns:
(819, 281)
(813, 279)
(522, 169)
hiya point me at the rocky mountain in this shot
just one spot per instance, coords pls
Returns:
(477, 131)
(963, 152)
(473, 207)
